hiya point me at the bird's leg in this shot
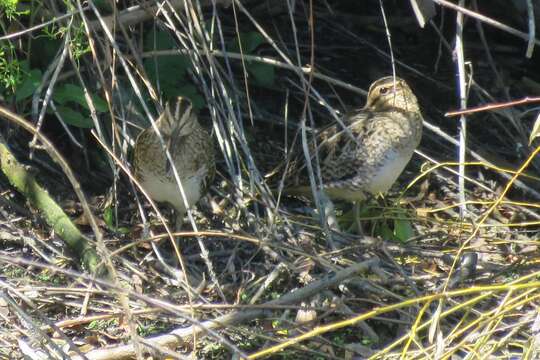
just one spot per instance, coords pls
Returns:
(169, 262)
(329, 212)
(161, 260)
(146, 229)
(356, 214)
(331, 222)
(179, 220)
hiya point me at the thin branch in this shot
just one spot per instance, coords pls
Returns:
(460, 58)
(486, 19)
(532, 29)
(496, 106)
(178, 336)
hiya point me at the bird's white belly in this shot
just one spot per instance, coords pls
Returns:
(168, 191)
(387, 174)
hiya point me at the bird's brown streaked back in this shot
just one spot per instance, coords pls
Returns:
(191, 149)
(369, 156)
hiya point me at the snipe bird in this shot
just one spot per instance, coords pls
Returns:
(368, 156)
(192, 152)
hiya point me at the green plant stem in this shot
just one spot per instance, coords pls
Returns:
(54, 216)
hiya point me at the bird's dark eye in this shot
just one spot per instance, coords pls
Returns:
(384, 90)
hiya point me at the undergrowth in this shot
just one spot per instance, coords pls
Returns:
(442, 268)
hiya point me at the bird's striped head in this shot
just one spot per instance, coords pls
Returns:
(391, 93)
(178, 119)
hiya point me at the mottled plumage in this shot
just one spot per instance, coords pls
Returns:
(369, 157)
(192, 152)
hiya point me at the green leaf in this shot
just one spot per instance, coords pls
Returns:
(170, 68)
(99, 104)
(168, 72)
(24, 65)
(158, 40)
(46, 47)
(29, 85)
(108, 216)
(104, 6)
(403, 230)
(67, 93)
(123, 230)
(250, 41)
(9, 7)
(75, 118)
(264, 74)
(74, 93)
(385, 231)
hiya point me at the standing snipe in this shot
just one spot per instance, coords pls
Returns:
(368, 156)
(191, 149)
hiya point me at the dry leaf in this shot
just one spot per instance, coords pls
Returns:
(535, 130)
(424, 10)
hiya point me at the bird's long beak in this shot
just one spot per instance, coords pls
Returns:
(182, 112)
